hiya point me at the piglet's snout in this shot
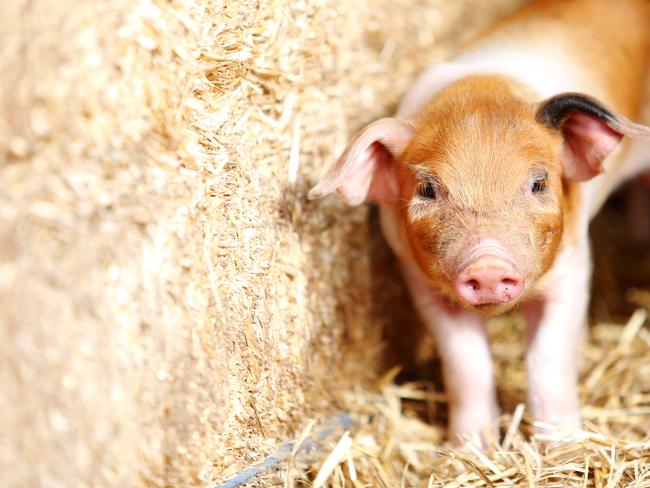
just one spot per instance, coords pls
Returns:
(489, 279)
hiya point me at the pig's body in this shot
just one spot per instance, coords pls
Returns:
(449, 128)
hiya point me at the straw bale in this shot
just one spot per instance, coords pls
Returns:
(172, 308)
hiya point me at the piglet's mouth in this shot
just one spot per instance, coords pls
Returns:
(492, 309)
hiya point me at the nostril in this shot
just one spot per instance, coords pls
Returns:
(509, 282)
(473, 284)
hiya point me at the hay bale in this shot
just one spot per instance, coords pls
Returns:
(171, 306)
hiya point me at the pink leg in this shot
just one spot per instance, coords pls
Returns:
(555, 326)
(466, 362)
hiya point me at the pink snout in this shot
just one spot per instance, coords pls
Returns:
(489, 279)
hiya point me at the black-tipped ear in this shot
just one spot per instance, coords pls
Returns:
(591, 131)
(556, 110)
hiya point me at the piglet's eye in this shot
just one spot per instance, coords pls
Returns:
(539, 185)
(427, 190)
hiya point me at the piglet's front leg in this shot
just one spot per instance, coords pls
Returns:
(555, 326)
(463, 346)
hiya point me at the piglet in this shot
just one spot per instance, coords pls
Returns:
(487, 178)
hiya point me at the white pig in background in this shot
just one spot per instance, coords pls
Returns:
(487, 178)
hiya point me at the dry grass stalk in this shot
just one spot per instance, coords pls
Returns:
(393, 446)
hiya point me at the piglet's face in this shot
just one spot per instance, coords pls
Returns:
(481, 180)
(481, 193)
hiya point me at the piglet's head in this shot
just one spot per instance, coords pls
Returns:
(481, 180)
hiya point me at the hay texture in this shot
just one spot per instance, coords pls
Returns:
(397, 437)
(172, 308)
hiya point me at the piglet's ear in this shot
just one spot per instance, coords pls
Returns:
(591, 131)
(365, 171)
